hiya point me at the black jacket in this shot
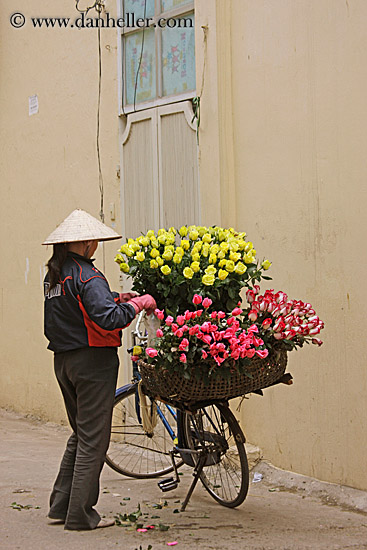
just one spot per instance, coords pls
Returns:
(81, 311)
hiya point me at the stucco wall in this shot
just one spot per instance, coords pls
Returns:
(297, 121)
(49, 168)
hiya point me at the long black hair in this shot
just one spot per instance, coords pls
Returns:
(55, 263)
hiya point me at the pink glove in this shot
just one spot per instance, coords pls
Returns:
(146, 302)
(125, 297)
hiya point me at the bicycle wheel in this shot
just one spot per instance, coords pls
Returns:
(225, 475)
(133, 452)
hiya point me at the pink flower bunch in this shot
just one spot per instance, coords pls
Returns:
(284, 319)
(206, 337)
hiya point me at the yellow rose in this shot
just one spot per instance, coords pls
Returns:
(253, 252)
(143, 241)
(206, 238)
(177, 258)
(165, 270)
(214, 249)
(221, 235)
(248, 246)
(167, 255)
(222, 262)
(234, 256)
(208, 280)
(153, 264)
(161, 239)
(222, 274)
(199, 245)
(180, 251)
(154, 253)
(135, 247)
(124, 267)
(248, 258)
(212, 258)
(161, 231)
(172, 230)
(159, 260)
(202, 231)
(205, 250)
(188, 273)
(183, 231)
(185, 244)
(170, 239)
(150, 233)
(130, 242)
(266, 264)
(241, 244)
(242, 235)
(229, 266)
(221, 254)
(129, 252)
(211, 270)
(196, 257)
(233, 246)
(119, 258)
(240, 268)
(140, 257)
(154, 242)
(193, 235)
(195, 266)
(224, 246)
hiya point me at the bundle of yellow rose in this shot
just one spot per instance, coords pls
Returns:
(173, 265)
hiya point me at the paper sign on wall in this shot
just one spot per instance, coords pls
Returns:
(33, 105)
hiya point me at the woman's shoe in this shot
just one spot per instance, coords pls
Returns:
(105, 523)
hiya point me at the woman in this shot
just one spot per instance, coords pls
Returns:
(83, 322)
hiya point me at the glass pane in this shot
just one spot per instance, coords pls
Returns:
(171, 4)
(178, 59)
(137, 7)
(146, 87)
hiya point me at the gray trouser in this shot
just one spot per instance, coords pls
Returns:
(87, 378)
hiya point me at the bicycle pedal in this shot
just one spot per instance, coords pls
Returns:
(168, 484)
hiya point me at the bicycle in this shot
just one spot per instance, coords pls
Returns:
(206, 437)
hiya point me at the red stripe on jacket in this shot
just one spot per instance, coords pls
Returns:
(97, 336)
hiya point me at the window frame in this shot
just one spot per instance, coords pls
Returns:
(125, 109)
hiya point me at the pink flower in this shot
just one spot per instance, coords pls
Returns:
(199, 312)
(230, 320)
(205, 327)
(252, 315)
(204, 355)
(266, 322)
(183, 358)
(169, 320)
(262, 353)
(174, 328)
(184, 344)
(250, 353)
(197, 299)
(151, 352)
(236, 311)
(180, 319)
(194, 330)
(250, 296)
(207, 302)
(179, 333)
(206, 338)
(252, 328)
(159, 333)
(317, 341)
(279, 335)
(235, 354)
(159, 313)
(213, 315)
(314, 331)
(188, 315)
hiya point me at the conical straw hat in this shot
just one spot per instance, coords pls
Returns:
(81, 226)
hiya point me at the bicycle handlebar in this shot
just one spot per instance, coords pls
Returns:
(139, 334)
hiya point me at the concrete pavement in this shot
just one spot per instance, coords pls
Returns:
(283, 511)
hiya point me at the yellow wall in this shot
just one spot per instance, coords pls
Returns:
(297, 121)
(49, 168)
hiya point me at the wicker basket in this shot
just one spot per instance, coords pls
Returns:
(171, 386)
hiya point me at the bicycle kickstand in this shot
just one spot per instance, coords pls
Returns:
(197, 473)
